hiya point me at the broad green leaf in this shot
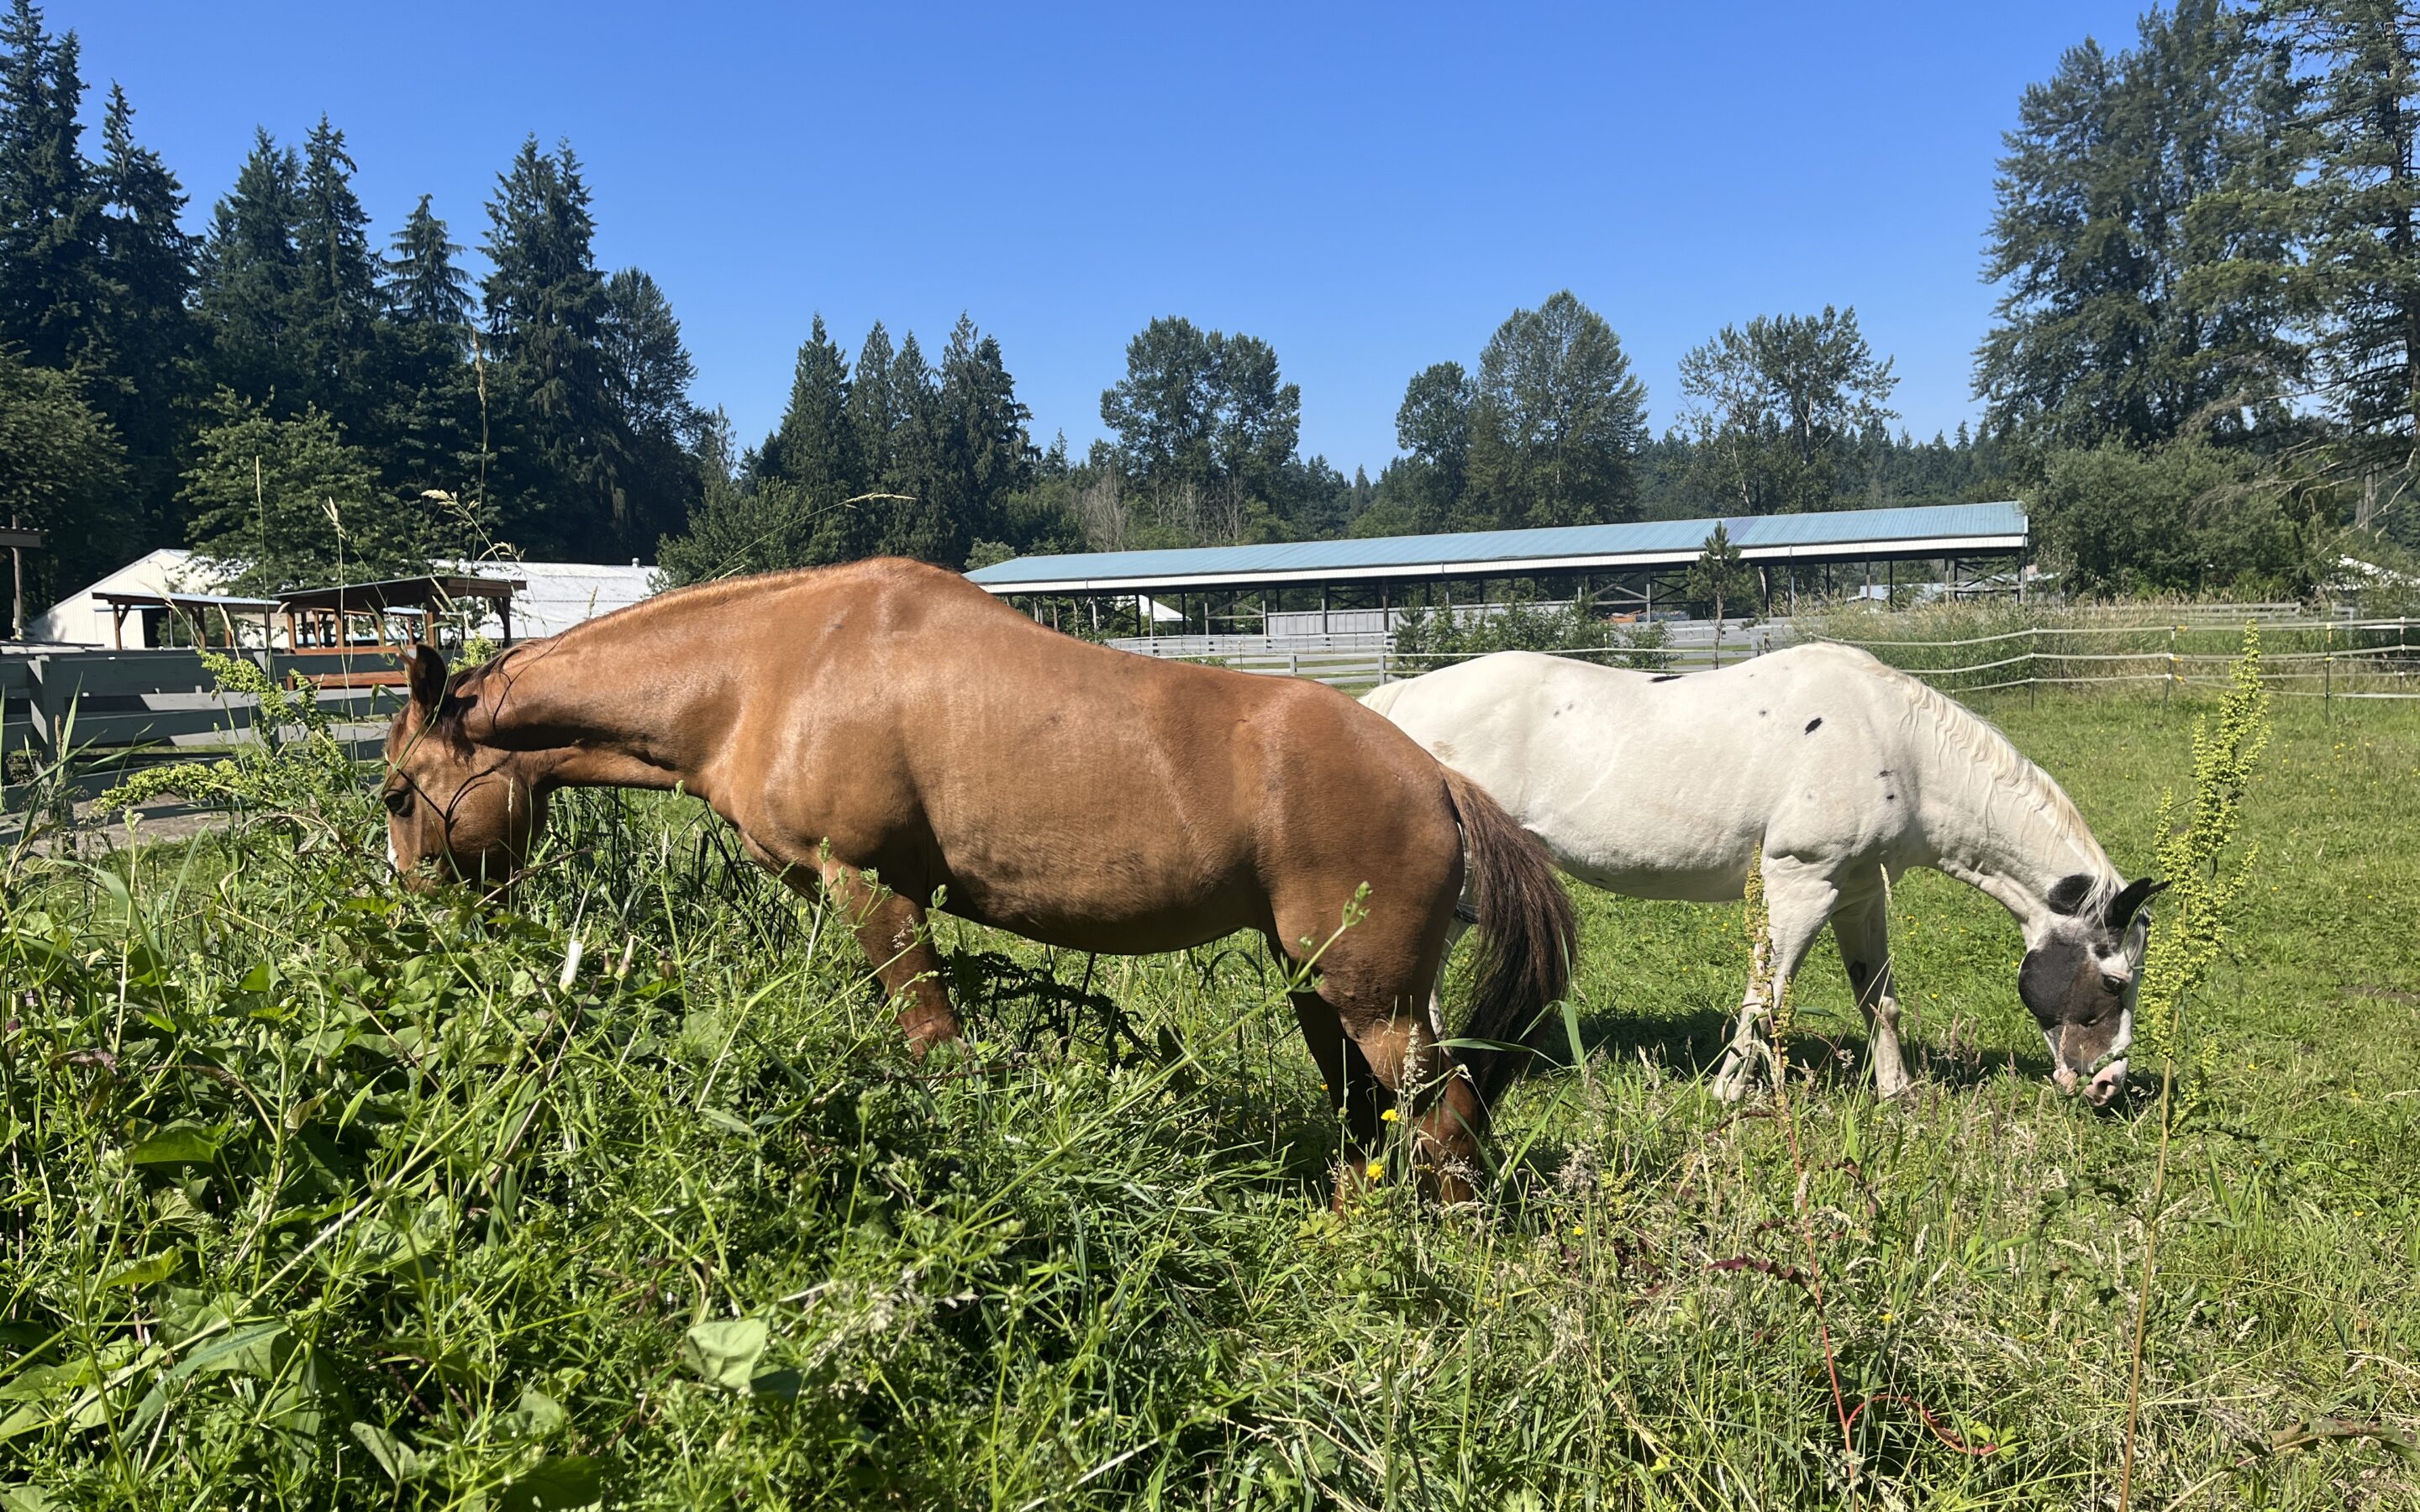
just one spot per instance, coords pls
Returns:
(157, 1268)
(175, 1145)
(574, 1480)
(538, 1416)
(394, 1457)
(724, 1352)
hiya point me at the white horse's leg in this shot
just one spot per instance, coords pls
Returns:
(1797, 900)
(1863, 929)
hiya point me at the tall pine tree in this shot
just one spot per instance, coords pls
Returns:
(432, 431)
(333, 326)
(2137, 243)
(546, 309)
(251, 270)
(49, 214)
(145, 331)
(2360, 216)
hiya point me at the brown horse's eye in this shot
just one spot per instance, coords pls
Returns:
(399, 801)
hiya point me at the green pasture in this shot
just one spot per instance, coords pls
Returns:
(321, 1196)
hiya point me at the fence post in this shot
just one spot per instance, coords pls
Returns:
(2328, 668)
(2169, 686)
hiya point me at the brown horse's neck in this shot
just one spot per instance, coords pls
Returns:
(581, 709)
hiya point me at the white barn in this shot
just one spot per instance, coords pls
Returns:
(558, 595)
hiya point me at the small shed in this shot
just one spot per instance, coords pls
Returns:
(196, 611)
(380, 620)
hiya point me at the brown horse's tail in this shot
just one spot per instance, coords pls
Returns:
(1527, 933)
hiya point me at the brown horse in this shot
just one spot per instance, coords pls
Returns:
(891, 718)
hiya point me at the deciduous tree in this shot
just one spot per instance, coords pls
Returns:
(1556, 423)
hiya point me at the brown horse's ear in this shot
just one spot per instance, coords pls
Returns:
(2123, 908)
(426, 670)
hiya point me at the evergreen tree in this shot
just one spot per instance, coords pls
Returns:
(649, 372)
(425, 286)
(1558, 422)
(288, 502)
(145, 331)
(814, 445)
(1719, 583)
(61, 472)
(2360, 217)
(335, 308)
(251, 270)
(1433, 426)
(876, 412)
(2138, 240)
(432, 427)
(49, 213)
(898, 524)
(983, 454)
(1256, 424)
(545, 310)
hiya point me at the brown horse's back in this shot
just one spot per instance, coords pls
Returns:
(1080, 795)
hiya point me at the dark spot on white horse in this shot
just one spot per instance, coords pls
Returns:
(2068, 893)
(1762, 713)
(1812, 725)
(1884, 772)
(1890, 798)
(1667, 677)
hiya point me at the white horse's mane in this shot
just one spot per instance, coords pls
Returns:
(1960, 731)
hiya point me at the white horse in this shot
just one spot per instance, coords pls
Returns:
(1841, 773)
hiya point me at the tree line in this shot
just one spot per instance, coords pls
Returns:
(290, 398)
(2201, 372)
(2205, 362)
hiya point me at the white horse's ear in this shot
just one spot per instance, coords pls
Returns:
(2068, 893)
(2123, 908)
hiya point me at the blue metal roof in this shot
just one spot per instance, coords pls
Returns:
(1839, 535)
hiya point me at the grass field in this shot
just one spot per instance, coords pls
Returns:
(325, 1196)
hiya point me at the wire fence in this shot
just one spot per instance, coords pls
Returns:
(2304, 657)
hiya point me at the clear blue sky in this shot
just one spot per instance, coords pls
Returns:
(1370, 189)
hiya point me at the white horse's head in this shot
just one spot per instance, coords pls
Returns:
(2079, 978)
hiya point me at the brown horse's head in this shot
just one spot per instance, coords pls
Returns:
(452, 805)
(2081, 977)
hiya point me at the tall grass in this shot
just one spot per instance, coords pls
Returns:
(327, 1195)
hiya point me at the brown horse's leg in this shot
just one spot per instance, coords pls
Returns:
(1446, 1116)
(891, 929)
(1353, 1091)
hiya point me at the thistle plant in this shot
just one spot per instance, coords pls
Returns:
(2197, 836)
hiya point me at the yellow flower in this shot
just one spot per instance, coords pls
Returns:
(1375, 1170)
(1391, 1116)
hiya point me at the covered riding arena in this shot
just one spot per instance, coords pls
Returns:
(1327, 588)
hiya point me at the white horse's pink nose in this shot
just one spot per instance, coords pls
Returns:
(2106, 1084)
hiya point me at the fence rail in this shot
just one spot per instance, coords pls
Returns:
(147, 704)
